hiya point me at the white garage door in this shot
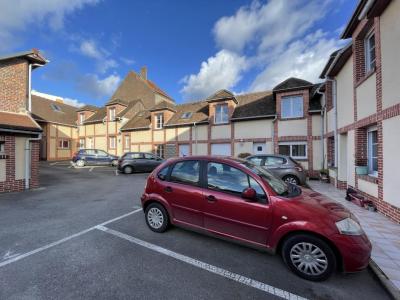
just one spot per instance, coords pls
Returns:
(221, 149)
(183, 150)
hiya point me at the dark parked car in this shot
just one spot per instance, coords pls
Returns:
(282, 166)
(236, 199)
(138, 162)
(85, 157)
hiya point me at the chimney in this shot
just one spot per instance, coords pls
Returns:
(143, 72)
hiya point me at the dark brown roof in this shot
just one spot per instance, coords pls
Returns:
(128, 110)
(157, 89)
(221, 95)
(18, 122)
(199, 114)
(88, 108)
(140, 121)
(163, 105)
(292, 84)
(46, 110)
(336, 61)
(33, 56)
(98, 116)
(254, 105)
(117, 101)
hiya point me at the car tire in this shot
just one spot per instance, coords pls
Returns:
(309, 257)
(80, 163)
(291, 179)
(157, 217)
(114, 163)
(128, 170)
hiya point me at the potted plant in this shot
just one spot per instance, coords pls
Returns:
(324, 175)
(244, 155)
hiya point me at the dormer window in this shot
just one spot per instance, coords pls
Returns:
(81, 117)
(186, 115)
(111, 113)
(159, 121)
(221, 114)
(292, 107)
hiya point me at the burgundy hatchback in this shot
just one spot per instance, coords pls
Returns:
(236, 199)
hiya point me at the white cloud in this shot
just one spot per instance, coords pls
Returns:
(90, 49)
(97, 87)
(221, 71)
(73, 102)
(16, 16)
(127, 61)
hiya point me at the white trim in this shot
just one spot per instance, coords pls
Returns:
(159, 120)
(294, 144)
(369, 151)
(221, 114)
(367, 51)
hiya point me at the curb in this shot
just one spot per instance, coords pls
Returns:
(393, 291)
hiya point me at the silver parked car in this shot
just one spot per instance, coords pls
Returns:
(282, 166)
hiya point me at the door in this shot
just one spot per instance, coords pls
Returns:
(183, 150)
(259, 148)
(221, 149)
(184, 194)
(90, 156)
(227, 213)
(102, 157)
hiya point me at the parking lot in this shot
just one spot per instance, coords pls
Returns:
(83, 235)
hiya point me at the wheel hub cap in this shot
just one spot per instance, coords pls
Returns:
(155, 217)
(309, 259)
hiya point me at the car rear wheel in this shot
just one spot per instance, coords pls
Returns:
(156, 217)
(128, 170)
(80, 163)
(291, 179)
(114, 163)
(309, 257)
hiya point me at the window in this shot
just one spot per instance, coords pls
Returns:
(369, 46)
(101, 153)
(296, 150)
(159, 121)
(257, 160)
(224, 178)
(160, 150)
(111, 113)
(186, 115)
(63, 144)
(82, 143)
(221, 113)
(81, 117)
(2, 147)
(163, 173)
(112, 142)
(55, 107)
(187, 172)
(149, 156)
(292, 107)
(127, 139)
(274, 160)
(373, 151)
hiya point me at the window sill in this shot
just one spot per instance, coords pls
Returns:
(289, 119)
(366, 76)
(368, 178)
(219, 124)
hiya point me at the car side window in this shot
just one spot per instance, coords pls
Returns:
(148, 156)
(162, 174)
(258, 161)
(90, 152)
(136, 155)
(101, 153)
(187, 172)
(274, 160)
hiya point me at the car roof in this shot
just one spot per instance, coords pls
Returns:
(215, 158)
(276, 155)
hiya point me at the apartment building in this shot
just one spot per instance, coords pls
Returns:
(363, 106)
(19, 132)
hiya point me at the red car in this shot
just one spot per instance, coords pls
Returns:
(236, 199)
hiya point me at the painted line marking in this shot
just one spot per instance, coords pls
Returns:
(70, 167)
(19, 257)
(205, 266)
(116, 173)
(54, 163)
(91, 169)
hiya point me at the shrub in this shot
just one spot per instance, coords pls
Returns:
(244, 155)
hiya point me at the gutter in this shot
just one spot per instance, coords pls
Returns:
(253, 117)
(365, 10)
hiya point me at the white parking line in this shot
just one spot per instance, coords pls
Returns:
(205, 266)
(19, 257)
(91, 169)
(54, 163)
(116, 173)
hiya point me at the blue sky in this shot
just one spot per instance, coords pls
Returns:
(191, 48)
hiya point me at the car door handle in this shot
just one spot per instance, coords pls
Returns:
(168, 189)
(211, 198)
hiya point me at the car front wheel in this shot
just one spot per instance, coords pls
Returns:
(291, 179)
(128, 170)
(309, 257)
(80, 163)
(156, 217)
(114, 163)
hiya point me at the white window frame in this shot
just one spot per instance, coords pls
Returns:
(81, 143)
(2, 146)
(291, 144)
(81, 118)
(159, 120)
(368, 50)
(62, 143)
(127, 138)
(111, 113)
(219, 117)
(371, 172)
(112, 142)
(291, 114)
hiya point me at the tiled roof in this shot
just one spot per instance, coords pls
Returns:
(140, 121)
(163, 105)
(43, 110)
(127, 111)
(157, 89)
(88, 108)
(118, 101)
(18, 122)
(220, 95)
(98, 116)
(33, 56)
(254, 105)
(199, 114)
(292, 83)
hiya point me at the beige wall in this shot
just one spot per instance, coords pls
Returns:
(350, 158)
(246, 147)
(158, 135)
(90, 129)
(101, 129)
(292, 127)
(316, 125)
(253, 129)
(345, 107)
(201, 132)
(19, 158)
(64, 131)
(2, 170)
(200, 150)
(112, 127)
(366, 98)
(53, 147)
(330, 121)
(342, 157)
(368, 187)
(390, 45)
(170, 134)
(63, 153)
(146, 148)
(141, 136)
(391, 162)
(101, 143)
(183, 133)
(317, 155)
(221, 132)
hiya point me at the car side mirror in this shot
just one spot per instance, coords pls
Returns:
(249, 194)
(161, 177)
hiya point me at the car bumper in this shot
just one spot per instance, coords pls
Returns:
(355, 251)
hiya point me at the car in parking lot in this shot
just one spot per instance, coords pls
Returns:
(239, 200)
(86, 157)
(282, 166)
(138, 162)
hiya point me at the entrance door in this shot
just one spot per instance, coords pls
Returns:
(259, 148)
(183, 150)
(221, 149)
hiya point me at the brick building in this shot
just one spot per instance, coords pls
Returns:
(19, 133)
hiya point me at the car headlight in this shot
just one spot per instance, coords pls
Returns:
(349, 227)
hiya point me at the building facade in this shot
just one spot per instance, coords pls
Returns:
(363, 106)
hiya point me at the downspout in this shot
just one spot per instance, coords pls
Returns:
(28, 158)
(29, 87)
(195, 136)
(323, 113)
(273, 133)
(335, 123)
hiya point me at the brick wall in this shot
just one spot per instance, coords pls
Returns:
(13, 85)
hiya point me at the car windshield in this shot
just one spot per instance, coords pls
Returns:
(277, 184)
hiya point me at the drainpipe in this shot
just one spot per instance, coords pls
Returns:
(335, 123)
(273, 133)
(29, 87)
(323, 113)
(28, 158)
(195, 136)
